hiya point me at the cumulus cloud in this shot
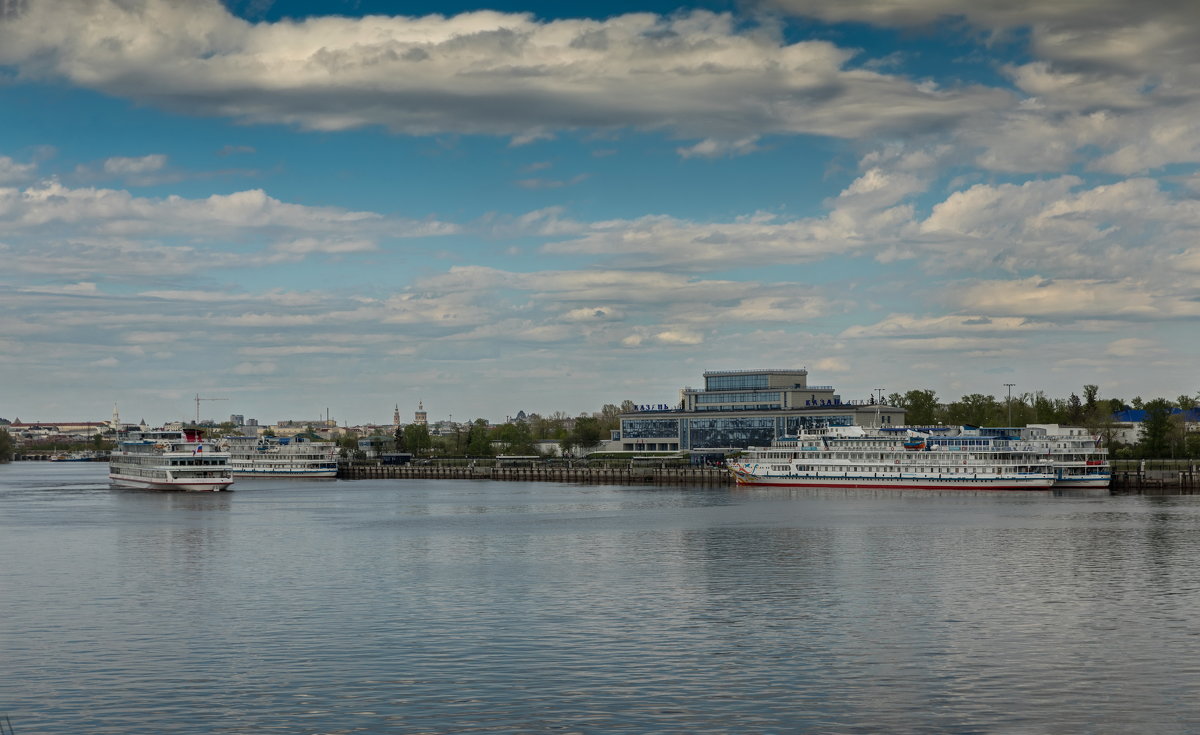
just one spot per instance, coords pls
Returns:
(82, 232)
(694, 74)
(12, 172)
(123, 166)
(1118, 77)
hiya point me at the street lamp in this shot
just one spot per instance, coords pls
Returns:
(1010, 387)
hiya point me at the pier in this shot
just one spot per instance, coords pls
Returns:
(1154, 478)
(708, 476)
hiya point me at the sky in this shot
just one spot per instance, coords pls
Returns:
(329, 208)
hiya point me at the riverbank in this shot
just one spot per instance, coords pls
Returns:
(703, 476)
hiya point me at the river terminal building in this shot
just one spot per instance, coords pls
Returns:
(745, 408)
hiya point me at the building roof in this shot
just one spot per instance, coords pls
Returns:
(1138, 415)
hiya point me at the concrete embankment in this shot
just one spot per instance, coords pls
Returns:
(1183, 480)
(584, 475)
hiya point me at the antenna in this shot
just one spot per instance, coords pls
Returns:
(198, 399)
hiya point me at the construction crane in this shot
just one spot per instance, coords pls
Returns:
(198, 399)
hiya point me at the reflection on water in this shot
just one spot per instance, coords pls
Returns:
(458, 606)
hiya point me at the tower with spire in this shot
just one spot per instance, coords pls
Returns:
(420, 418)
(396, 416)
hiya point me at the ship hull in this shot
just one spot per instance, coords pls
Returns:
(291, 474)
(191, 486)
(1089, 482)
(898, 483)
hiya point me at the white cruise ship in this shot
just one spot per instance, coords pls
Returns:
(268, 456)
(943, 458)
(1076, 455)
(168, 460)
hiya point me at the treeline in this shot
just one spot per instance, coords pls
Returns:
(6, 446)
(1164, 433)
(479, 439)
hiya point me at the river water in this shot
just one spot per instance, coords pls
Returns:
(446, 606)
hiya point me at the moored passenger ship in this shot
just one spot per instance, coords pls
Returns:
(268, 456)
(169, 460)
(855, 457)
(1078, 459)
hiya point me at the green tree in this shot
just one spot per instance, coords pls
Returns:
(417, 439)
(610, 417)
(398, 435)
(516, 437)
(1191, 444)
(583, 436)
(1157, 429)
(975, 409)
(6, 446)
(920, 406)
(479, 439)
(1089, 398)
(1074, 410)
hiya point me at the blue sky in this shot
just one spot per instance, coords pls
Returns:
(494, 207)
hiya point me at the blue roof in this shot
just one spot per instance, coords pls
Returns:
(1138, 415)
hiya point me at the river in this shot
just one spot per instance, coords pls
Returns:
(444, 606)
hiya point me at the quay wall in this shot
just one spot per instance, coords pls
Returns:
(584, 475)
(1183, 480)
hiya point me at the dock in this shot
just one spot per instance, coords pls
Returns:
(704, 476)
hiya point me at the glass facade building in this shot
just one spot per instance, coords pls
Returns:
(745, 408)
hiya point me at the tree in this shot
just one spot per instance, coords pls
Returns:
(398, 435)
(516, 438)
(1157, 429)
(416, 438)
(1074, 410)
(1089, 398)
(585, 435)
(479, 439)
(6, 446)
(920, 406)
(975, 409)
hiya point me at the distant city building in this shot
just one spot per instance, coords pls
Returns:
(744, 408)
(251, 422)
(396, 416)
(237, 419)
(304, 423)
(420, 418)
(376, 446)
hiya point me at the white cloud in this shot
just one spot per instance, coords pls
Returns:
(292, 350)
(1077, 298)
(255, 368)
(122, 166)
(832, 365)
(1132, 347)
(715, 148)
(12, 172)
(308, 245)
(50, 228)
(696, 74)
